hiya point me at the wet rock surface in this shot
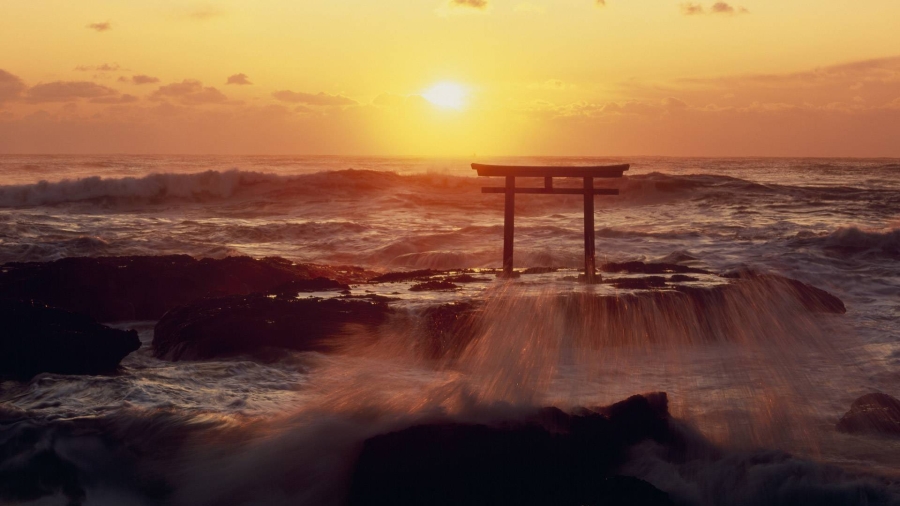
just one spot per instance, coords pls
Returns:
(552, 458)
(318, 284)
(258, 324)
(814, 299)
(875, 413)
(395, 277)
(449, 328)
(37, 338)
(145, 287)
(433, 286)
(644, 283)
(650, 268)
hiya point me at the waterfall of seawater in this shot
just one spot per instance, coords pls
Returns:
(748, 366)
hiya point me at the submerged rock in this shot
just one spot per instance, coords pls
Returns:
(37, 338)
(644, 283)
(394, 277)
(467, 278)
(433, 286)
(540, 270)
(318, 284)
(553, 458)
(145, 287)
(650, 268)
(814, 299)
(255, 324)
(449, 328)
(875, 413)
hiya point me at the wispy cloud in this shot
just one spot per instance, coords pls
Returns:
(120, 99)
(100, 27)
(454, 7)
(549, 84)
(10, 86)
(324, 99)
(104, 67)
(189, 92)
(239, 79)
(67, 91)
(724, 8)
(139, 79)
(473, 4)
(689, 9)
(720, 8)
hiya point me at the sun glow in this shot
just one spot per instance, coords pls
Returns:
(446, 95)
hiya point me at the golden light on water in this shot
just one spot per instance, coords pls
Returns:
(447, 95)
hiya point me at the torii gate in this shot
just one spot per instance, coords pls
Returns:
(511, 172)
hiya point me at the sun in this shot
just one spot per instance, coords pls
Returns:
(446, 95)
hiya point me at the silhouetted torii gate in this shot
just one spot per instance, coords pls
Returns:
(511, 172)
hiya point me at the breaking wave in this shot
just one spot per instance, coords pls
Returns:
(848, 241)
(217, 185)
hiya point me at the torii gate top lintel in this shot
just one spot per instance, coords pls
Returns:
(511, 172)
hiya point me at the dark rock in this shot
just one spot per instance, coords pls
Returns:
(814, 299)
(40, 475)
(466, 278)
(555, 458)
(319, 284)
(394, 277)
(257, 324)
(539, 270)
(644, 283)
(627, 490)
(680, 278)
(876, 413)
(145, 287)
(37, 338)
(433, 286)
(583, 279)
(449, 328)
(650, 268)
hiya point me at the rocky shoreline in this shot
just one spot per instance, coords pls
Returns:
(219, 308)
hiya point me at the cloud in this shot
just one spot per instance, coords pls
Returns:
(724, 8)
(549, 84)
(10, 86)
(473, 4)
(689, 9)
(240, 79)
(853, 75)
(295, 97)
(189, 92)
(121, 99)
(694, 9)
(67, 91)
(456, 7)
(100, 27)
(139, 79)
(105, 67)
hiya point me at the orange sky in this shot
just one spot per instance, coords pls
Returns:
(541, 77)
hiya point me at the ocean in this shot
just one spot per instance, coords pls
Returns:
(281, 432)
